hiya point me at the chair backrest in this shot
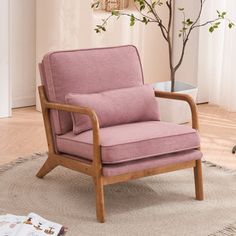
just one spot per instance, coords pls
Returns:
(87, 71)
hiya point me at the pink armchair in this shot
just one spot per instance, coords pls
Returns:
(101, 120)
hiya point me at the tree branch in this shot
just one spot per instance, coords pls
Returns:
(159, 21)
(187, 37)
(156, 11)
(150, 18)
(152, 10)
(169, 5)
(149, 13)
(136, 18)
(206, 23)
(162, 31)
(169, 41)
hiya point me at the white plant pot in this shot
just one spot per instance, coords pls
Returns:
(172, 110)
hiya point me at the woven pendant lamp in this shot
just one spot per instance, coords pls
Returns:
(111, 5)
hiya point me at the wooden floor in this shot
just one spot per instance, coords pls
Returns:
(218, 135)
(23, 134)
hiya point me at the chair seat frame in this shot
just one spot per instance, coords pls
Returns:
(94, 168)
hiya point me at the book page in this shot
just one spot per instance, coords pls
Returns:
(10, 224)
(35, 225)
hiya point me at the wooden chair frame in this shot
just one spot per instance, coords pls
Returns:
(94, 168)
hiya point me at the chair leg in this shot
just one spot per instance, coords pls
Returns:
(48, 166)
(234, 149)
(99, 190)
(198, 180)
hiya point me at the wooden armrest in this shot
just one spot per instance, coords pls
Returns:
(182, 97)
(46, 106)
(77, 109)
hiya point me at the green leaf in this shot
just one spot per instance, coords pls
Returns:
(132, 23)
(132, 20)
(231, 24)
(101, 27)
(189, 22)
(221, 15)
(218, 12)
(142, 7)
(211, 29)
(154, 4)
(145, 20)
(95, 4)
(115, 13)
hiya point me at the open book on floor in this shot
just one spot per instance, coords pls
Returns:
(31, 225)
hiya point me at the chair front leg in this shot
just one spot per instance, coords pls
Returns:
(99, 191)
(198, 180)
(48, 166)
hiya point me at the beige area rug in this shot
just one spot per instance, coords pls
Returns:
(159, 205)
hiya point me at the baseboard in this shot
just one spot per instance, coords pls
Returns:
(23, 102)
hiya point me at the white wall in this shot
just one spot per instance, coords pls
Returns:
(23, 52)
(5, 101)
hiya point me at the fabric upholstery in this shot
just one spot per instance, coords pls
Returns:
(88, 71)
(133, 141)
(151, 162)
(114, 107)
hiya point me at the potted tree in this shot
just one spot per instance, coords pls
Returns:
(148, 12)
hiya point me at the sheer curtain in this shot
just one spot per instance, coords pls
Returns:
(217, 58)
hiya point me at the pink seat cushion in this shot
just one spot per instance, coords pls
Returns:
(87, 71)
(114, 107)
(151, 162)
(133, 141)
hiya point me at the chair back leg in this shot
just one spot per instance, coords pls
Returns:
(198, 180)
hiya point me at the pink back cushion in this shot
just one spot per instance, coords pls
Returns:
(88, 71)
(115, 107)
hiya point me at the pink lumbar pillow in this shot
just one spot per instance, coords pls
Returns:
(115, 107)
